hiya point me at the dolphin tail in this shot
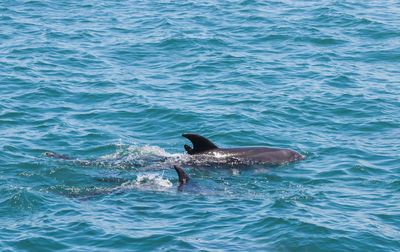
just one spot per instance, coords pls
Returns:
(183, 177)
(200, 144)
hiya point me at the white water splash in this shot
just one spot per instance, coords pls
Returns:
(134, 152)
(153, 182)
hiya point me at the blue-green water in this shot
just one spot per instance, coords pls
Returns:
(123, 80)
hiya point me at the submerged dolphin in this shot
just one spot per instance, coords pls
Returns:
(186, 184)
(265, 155)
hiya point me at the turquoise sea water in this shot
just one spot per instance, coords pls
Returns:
(118, 82)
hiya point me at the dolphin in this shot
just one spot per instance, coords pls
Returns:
(205, 150)
(258, 154)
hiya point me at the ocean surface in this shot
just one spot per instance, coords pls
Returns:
(114, 84)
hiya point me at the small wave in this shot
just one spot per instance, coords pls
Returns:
(82, 193)
(23, 199)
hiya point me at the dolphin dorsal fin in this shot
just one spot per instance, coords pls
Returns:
(183, 177)
(200, 144)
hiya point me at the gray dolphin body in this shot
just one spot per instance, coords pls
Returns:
(265, 155)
